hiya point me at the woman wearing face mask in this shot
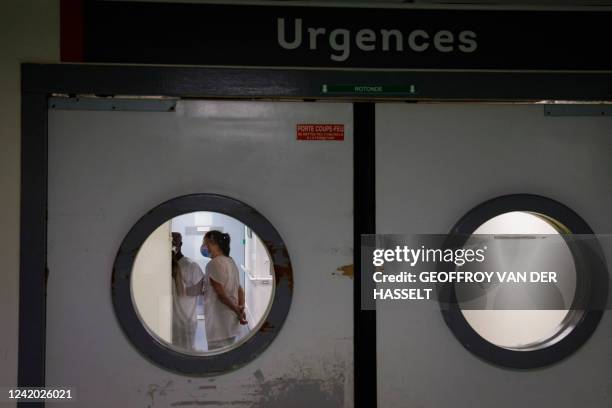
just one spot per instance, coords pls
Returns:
(224, 304)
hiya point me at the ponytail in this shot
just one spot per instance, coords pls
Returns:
(221, 239)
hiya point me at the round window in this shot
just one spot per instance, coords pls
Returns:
(202, 284)
(531, 335)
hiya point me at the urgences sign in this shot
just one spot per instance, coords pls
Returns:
(334, 37)
(340, 40)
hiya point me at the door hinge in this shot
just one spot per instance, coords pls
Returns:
(578, 109)
(93, 103)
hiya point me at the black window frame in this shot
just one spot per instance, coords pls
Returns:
(150, 345)
(590, 266)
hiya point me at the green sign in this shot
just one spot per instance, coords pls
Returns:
(369, 89)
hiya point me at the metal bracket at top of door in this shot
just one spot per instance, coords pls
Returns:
(97, 103)
(578, 109)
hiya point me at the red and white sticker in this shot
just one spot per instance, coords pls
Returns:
(320, 131)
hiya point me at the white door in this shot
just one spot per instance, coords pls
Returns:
(434, 162)
(108, 168)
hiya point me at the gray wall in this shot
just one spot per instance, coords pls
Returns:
(29, 32)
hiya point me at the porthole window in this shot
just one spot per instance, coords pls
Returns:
(202, 284)
(529, 338)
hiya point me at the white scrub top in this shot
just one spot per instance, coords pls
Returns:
(221, 322)
(184, 318)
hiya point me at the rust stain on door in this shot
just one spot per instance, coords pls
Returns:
(346, 271)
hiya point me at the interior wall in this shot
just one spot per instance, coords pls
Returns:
(258, 291)
(151, 282)
(30, 33)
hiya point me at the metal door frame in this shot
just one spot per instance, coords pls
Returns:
(40, 81)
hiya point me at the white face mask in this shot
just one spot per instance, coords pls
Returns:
(174, 249)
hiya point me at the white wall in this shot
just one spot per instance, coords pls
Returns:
(257, 291)
(30, 33)
(151, 282)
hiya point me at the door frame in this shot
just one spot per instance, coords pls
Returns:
(41, 81)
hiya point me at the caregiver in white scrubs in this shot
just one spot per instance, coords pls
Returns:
(188, 284)
(224, 297)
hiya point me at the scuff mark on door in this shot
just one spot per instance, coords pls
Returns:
(157, 389)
